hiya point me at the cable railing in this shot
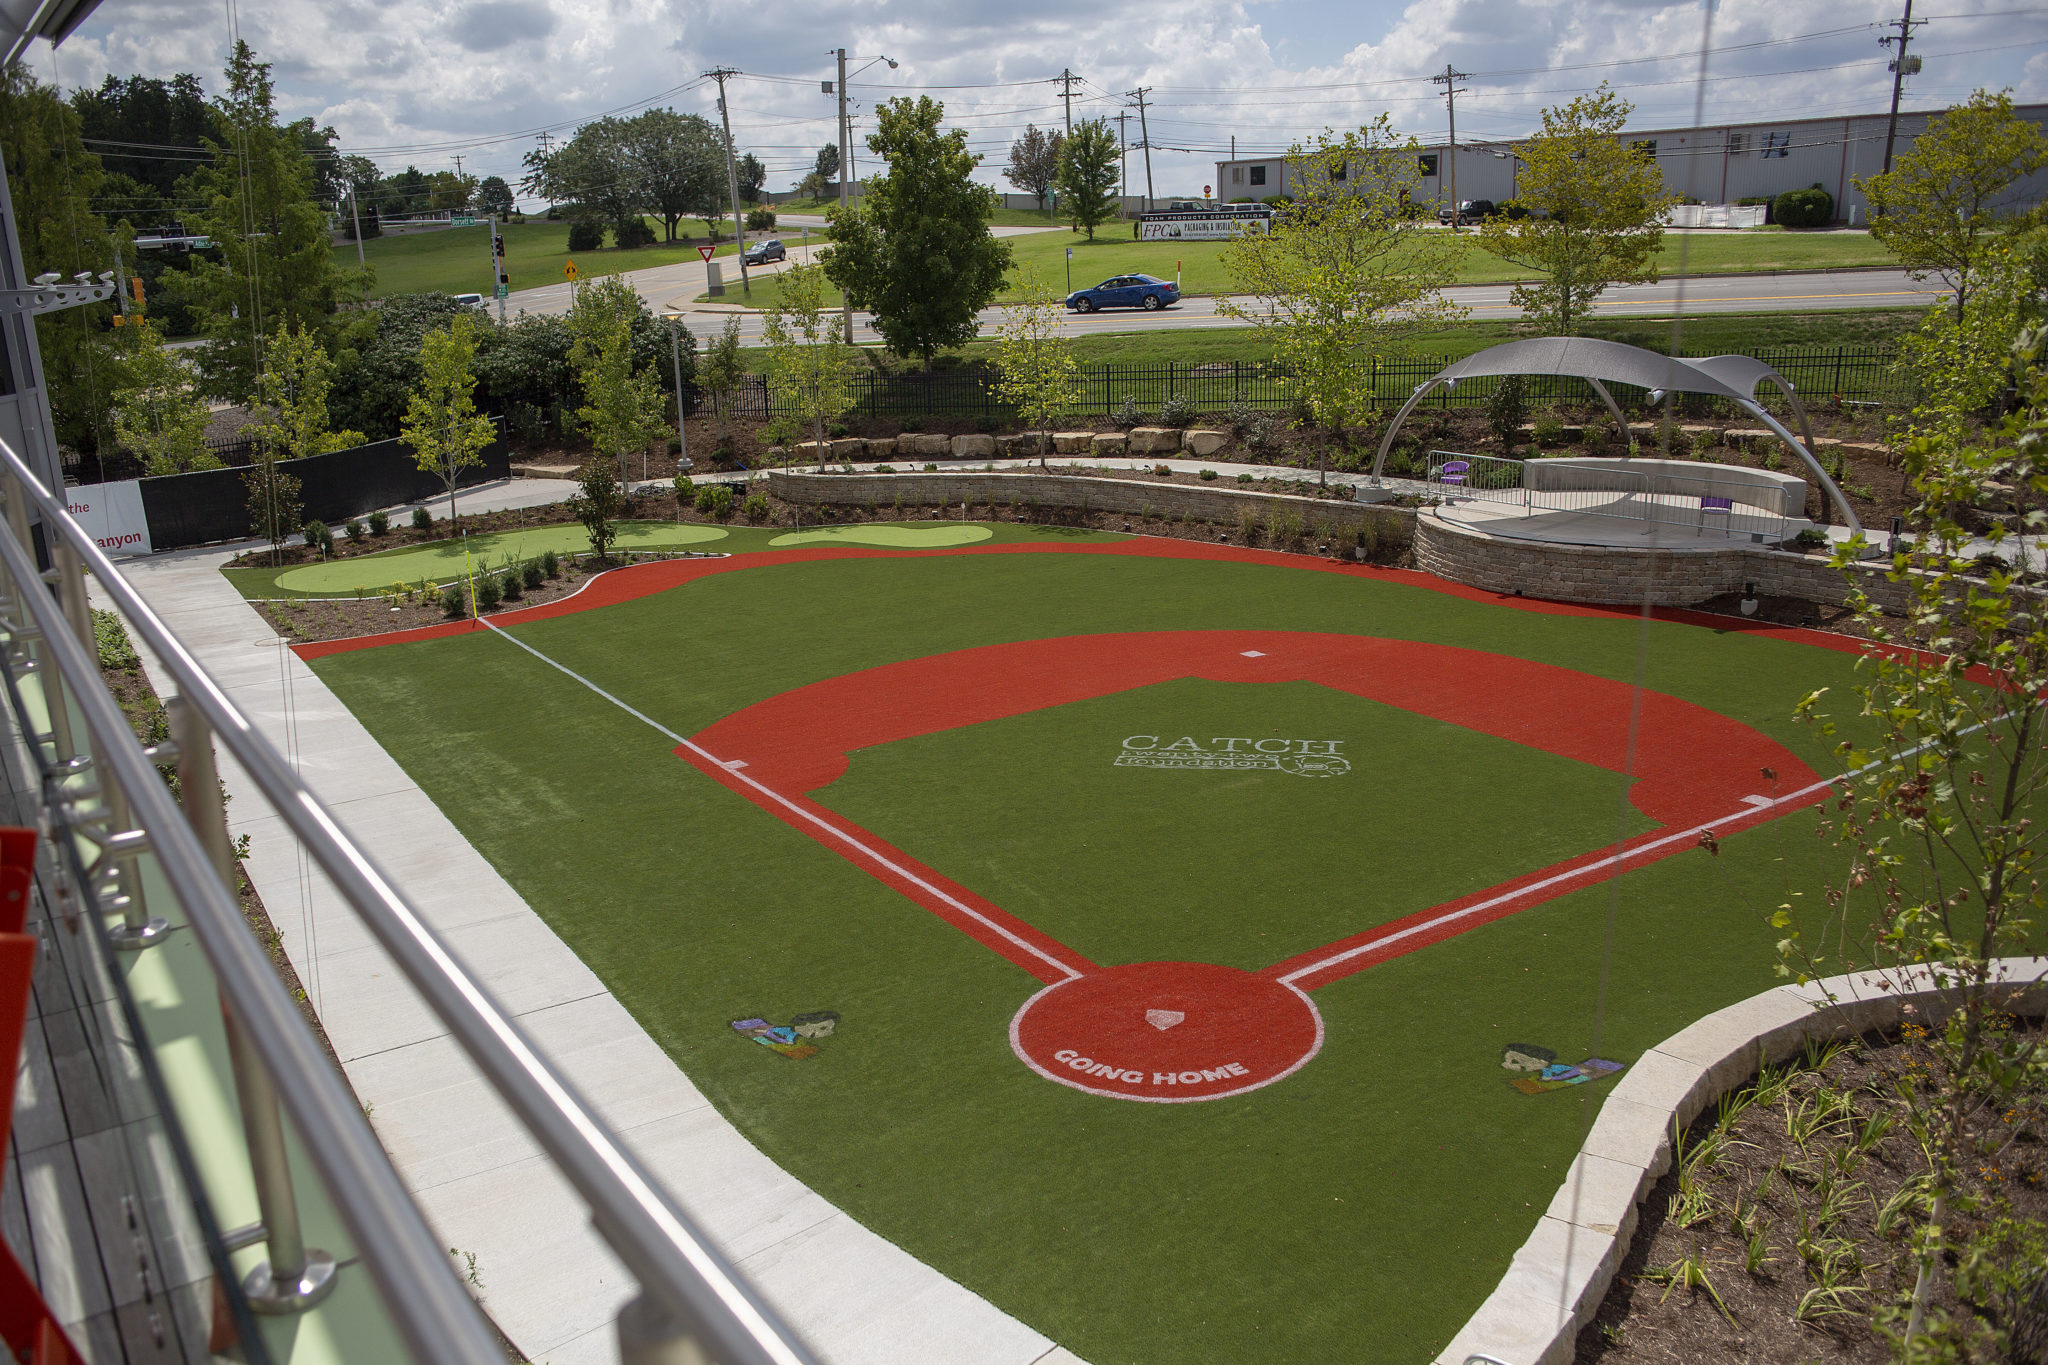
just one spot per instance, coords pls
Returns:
(104, 793)
(1690, 500)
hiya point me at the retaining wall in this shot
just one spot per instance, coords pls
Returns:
(1076, 492)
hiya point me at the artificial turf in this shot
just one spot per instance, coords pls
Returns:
(1358, 1210)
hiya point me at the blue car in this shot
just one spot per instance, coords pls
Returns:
(1126, 291)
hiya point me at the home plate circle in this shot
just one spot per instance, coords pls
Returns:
(1167, 1032)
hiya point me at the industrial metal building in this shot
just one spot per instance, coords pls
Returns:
(1721, 164)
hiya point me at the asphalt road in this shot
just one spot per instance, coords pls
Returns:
(1700, 294)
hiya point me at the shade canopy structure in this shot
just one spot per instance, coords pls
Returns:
(1731, 377)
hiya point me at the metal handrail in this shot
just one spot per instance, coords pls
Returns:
(671, 1257)
(435, 1315)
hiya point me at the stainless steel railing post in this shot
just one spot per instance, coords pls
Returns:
(295, 1277)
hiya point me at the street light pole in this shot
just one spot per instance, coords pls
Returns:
(845, 165)
(675, 351)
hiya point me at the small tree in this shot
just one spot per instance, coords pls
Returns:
(1040, 374)
(1946, 203)
(622, 411)
(808, 357)
(720, 376)
(297, 376)
(597, 503)
(1034, 162)
(1339, 275)
(1594, 210)
(275, 509)
(446, 432)
(1088, 167)
(1507, 407)
(158, 414)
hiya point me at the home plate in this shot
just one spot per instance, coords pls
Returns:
(1167, 1032)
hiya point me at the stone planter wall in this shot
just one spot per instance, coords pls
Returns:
(1078, 492)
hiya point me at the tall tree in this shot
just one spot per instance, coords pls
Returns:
(446, 432)
(124, 119)
(158, 414)
(597, 171)
(275, 266)
(915, 251)
(826, 166)
(753, 175)
(53, 179)
(720, 376)
(809, 359)
(493, 195)
(622, 408)
(1040, 374)
(324, 160)
(680, 163)
(1341, 273)
(539, 180)
(1595, 208)
(452, 193)
(1035, 161)
(1087, 179)
(292, 397)
(1947, 202)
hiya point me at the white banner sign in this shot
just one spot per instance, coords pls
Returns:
(111, 513)
(1213, 225)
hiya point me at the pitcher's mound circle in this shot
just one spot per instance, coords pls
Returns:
(1167, 1032)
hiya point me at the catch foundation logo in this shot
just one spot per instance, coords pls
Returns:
(1302, 757)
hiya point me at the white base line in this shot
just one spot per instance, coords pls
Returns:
(797, 810)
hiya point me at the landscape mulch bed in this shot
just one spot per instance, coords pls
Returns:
(1772, 1179)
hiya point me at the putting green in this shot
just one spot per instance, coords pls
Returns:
(444, 559)
(884, 533)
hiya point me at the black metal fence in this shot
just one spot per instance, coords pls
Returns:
(1854, 374)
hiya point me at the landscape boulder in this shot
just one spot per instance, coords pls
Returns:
(1107, 443)
(975, 447)
(1203, 440)
(923, 443)
(1072, 442)
(1154, 440)
(881, 447)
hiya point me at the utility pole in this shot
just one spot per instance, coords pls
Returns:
(845, 192)
(1902, 67)
(732, 176)
(1066, 79)
(1145, 138)
(356, 220)
(1123, 157)
(458, 165)
(1449, 81)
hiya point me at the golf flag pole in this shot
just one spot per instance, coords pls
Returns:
(1070, 270)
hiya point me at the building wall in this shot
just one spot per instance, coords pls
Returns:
(1717, 165)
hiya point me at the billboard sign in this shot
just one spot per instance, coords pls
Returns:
(1218, 222)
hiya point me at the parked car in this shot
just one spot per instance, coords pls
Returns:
(471, 301)
(760, 253)
(1126, 291)
(1471, 211)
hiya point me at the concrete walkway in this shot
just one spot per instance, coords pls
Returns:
(547, 1279)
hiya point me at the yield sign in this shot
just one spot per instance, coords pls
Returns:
(705, 251)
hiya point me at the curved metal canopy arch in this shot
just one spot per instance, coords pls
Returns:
(1600, 363)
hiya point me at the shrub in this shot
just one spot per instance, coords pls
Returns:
(1804, 208)
(1507, 407)
(1244, 478)
(1599, 431)
(1208, 475)
(760, 220)
(1548, 430)
(885, 469)
(1164, 471)
(913, 424)
(1177, 411)
(1349, 461)
(931, 469)
(354, 528)
(550, 564)
(1260, 433)
(454, 602)
(512, 584)
(1286, 529)
(1249, 527)
(586, 236)
(422, 519)
(1127, 414)
(686, 490)
(1812, 538)
(1324, 531)
(318, 537)
(635, 231)
(530, 574)
(836, 430)
(1703, 442)
(488, 593)
(756, 508)
(379, 523)
(715, 501)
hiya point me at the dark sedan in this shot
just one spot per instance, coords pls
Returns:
(1126, 291)
(760, 253)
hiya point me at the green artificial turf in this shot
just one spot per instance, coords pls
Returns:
(894, 535)
(1358, 1210)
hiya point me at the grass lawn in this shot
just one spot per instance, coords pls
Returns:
(1359, 1208)
(1001, 217)
(1201, 269)
(458, 260)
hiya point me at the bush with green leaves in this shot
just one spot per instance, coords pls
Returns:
(1127, 414)
(1507, 407)
(488, 593)
(116, 653)
(1808, 208)
(756, 509)
(1548, 429)
(715, 501)
(1208, 476)
(379, 524)
(1177, 411)
(585, 235)
(761, 220)
(634, 232)
(454, 600)
(511, 583)
(422, 519)
(550, 564)
(318, 537)
(354, 527)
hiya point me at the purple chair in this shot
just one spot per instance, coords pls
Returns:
(1725, 507)
(1454, 472)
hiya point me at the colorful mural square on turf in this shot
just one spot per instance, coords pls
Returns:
(1302, 757)
(797, 1039)
(1540, 1070)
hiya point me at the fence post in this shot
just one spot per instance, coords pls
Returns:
(1837, 390)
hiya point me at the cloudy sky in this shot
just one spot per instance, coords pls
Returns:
(426, 81)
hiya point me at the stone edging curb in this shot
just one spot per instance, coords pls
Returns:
(1557, 1280)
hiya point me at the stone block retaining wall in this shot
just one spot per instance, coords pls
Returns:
(1079, 492)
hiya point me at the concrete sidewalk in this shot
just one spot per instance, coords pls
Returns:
(548, 1280)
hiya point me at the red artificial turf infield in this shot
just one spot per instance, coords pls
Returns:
(1214, 1030)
